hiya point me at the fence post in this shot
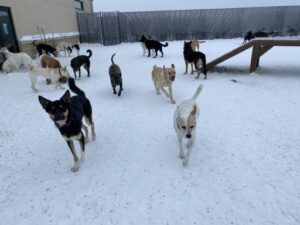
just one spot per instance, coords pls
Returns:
(119, 27)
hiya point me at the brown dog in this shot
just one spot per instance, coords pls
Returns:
(164, 77)
(195, 44)
(50, 62)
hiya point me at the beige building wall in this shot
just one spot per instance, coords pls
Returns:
(54, 16)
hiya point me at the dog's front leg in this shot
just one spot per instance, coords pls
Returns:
(181, 153)
(148, 52)
(75, 168)
(171, 95)
(57, 84)
(189, 146)
(186, 67)
(164, 91)
(192, 68)
(33, 81)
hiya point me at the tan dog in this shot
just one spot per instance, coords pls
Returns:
(195, 44)
(50, 62)
(163, 77)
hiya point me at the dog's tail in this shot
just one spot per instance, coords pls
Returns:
(112, 59)
(198, 91)
(34, 43)
(90, 53)
(74, 88)
(165, 45)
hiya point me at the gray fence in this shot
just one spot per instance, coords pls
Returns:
(111, 28)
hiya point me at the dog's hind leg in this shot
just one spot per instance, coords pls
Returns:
(89, 121)
(120, 90)
(84, 127)
(76, 166)
(82, 145)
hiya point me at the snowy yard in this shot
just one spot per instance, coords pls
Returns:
(244, 169)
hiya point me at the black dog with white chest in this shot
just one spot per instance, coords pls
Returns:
(153, 44)
(67, 114)
(115, 76)
(81, 60)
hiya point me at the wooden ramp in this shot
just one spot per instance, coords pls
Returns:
(260, 47)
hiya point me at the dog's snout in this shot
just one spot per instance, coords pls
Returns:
(188, 136)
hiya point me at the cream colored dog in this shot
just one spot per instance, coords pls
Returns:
(195, 44)
(164, 77)
(16, 59)
(185, 121)
(52, 74)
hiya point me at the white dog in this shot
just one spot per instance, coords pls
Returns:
(185, 121)
(52, 74)
(7, 67)
(17, 59)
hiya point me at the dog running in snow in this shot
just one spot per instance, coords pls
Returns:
(81, 60)
(196, 58)
(164, 77)
(185, 122)
(153, 44)
(115, 76)
(67, 114)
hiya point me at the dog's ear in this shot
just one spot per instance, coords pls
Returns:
(66, 97)
(44, 102)
(173, 66)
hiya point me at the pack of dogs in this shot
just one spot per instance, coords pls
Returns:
(258, 34)
(68, 112)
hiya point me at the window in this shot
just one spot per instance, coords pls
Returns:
(78, 4)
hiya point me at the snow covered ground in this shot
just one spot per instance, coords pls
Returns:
(244, 168)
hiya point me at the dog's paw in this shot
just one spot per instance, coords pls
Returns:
(86, 140)
(75, 169)
(173, 101)
(35, 90)
(185, 163)
(181, 156)
(94, 137)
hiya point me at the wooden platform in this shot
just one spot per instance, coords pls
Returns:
(260, 47)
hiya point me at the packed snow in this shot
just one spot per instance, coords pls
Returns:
(244, 168)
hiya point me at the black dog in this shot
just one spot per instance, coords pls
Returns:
(67, 114)
(198, 58)
(80, 60)
(115, 76)
(69, 49)
(249, 36)
(153, 44)
(45, 47)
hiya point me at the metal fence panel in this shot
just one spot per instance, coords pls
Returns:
(116, 27)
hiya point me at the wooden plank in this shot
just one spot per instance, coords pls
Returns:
(254, 58)
(229, 55)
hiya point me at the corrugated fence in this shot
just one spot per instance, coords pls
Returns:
(109, 28)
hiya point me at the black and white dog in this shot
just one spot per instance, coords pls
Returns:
(153, 44)
(67, 114)
(81, 60)
(115, 77)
